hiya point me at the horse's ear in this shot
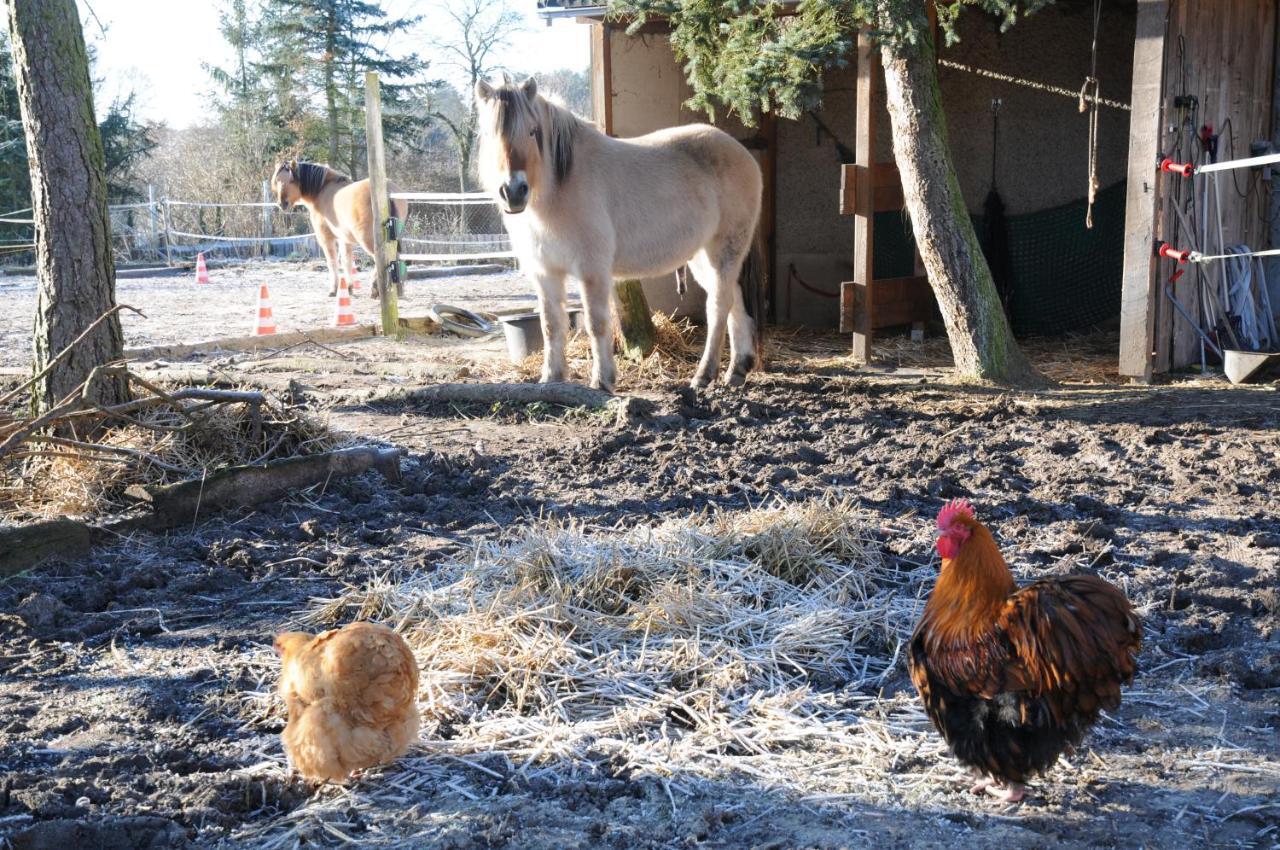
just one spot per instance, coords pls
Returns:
(484, 91)
(530, 88)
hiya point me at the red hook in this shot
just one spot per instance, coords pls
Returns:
(1186, 169)
(1169, 252)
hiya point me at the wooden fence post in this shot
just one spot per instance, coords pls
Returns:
(266, 217)
(168, 234)
(151, 213)
(385, 251)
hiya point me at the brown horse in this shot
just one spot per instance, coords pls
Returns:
(341, 213)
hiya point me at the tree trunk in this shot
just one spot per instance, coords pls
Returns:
(74, 266)
(982, 343)
(331, 92)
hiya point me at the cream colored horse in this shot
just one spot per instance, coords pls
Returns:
(341, 213)
(581, 205)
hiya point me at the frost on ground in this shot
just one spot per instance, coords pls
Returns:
(680, 628)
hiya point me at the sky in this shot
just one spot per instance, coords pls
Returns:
(158, 48)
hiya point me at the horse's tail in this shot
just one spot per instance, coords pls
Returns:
(753, 279)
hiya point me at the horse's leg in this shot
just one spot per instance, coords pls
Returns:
(344, 253)
(718, 301)
(742, 334)
(555, 325)
(597, 293)
(329, 245)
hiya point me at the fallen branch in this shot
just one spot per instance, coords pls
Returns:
(243, 486)
(23, 546)
(563, 394)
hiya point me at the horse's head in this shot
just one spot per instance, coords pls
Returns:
(286, 185)
(514, 124)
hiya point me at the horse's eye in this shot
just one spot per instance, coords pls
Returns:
(533, 133)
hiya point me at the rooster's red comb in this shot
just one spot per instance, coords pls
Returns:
(953, 509)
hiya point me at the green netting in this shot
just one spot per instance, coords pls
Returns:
(1064, 277)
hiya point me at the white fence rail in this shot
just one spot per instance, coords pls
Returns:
(441, 227)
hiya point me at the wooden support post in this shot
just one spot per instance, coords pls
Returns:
(266, 217)
(859, 300)
(602, 75)
(1140, 292)
(635, 321)
(384, 249)
(168, 234)
(153, 214)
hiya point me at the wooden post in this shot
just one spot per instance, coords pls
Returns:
(266, 217)
(168, 234)
(602, 76)
(859, 298)
(635, 321)
(151, 213)
(1140, 290)
(384, 250)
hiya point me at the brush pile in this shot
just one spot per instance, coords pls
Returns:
(79, 457)
(742, 644)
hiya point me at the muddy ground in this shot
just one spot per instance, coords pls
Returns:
(124, 676)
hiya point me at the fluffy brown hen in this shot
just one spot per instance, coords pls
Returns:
(352, 699)
(1013, 678)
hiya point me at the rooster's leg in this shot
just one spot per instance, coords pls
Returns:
(1010, 792)
(981, 782)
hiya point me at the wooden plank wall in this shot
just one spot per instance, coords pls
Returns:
(1227, 61)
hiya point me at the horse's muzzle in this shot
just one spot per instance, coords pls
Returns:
(515, 193)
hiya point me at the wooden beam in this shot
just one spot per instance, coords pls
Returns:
(886, 194)
(769, 216)
(602, 75)
(861, 298)
(1140, 293)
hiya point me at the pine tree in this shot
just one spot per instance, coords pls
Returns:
(326, 46)
(766, 57)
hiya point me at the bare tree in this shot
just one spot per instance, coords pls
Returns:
(479, 29)
(74, 266)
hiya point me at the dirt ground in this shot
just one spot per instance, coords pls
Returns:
(126, 676)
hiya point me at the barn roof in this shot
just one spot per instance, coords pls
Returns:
(570, 8)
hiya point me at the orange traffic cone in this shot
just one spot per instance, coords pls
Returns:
(351, 275)
(343, 315)
(202, 271)
(266, 324)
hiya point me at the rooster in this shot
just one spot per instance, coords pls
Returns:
(352, 699)
(1014, 677)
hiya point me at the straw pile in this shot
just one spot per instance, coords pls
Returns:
(745, 646)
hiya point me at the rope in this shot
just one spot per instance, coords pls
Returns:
(1089, 102)
(1031, 84)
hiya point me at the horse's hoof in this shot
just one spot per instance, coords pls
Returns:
(735, 378)
(700, 382)
(597, 384)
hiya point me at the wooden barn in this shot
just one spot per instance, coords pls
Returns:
(1193, 80)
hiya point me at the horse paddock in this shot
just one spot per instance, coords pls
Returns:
(777, 542)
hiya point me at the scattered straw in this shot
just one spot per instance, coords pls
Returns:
(748, 645)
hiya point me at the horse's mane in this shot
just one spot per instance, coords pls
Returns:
(556, 124)
(312, 177)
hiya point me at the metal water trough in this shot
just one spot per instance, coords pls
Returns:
(1243, 366)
